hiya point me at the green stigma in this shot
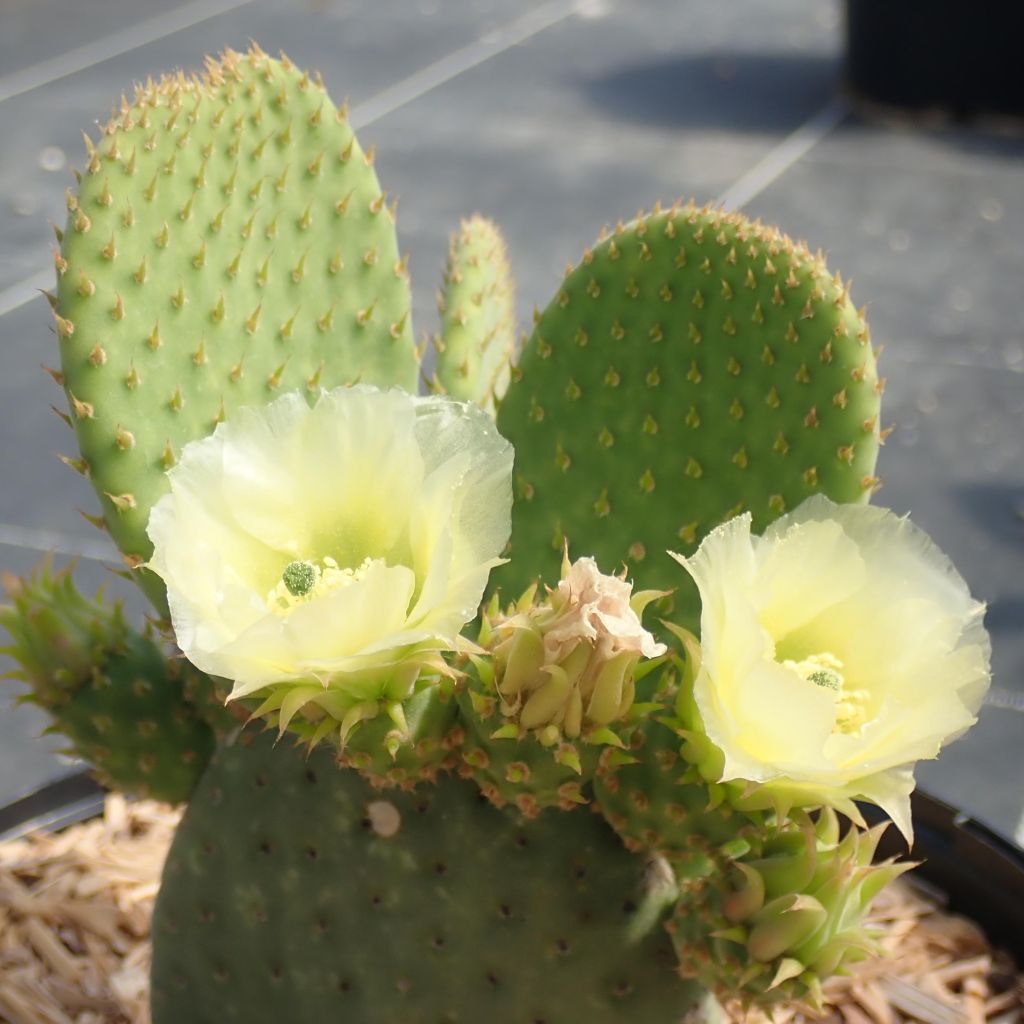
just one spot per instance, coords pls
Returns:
(830, 680)
(300, 578)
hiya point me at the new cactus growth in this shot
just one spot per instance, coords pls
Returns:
(147, 722)
(477, 307)
(772, 924)
(559, 685)
(689, 401)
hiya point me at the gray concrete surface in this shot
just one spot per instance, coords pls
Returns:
(556, 117)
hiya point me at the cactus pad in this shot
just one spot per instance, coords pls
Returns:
(294, 891)
(692, 366)
(137, 716)
(646, 799)
(477, 307)
(228, 241)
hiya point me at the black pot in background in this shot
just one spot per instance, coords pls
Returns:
(963, 57)
(56, 805)
(981, 873)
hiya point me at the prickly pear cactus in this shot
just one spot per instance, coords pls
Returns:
(228, 241)
(477, 307)
(306, 895)
(146, 722)
(692, 366)
(546, 704)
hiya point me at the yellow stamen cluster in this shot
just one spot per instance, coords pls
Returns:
(826, 670)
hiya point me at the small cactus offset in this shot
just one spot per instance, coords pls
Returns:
(146, 721)
(477, 307)
(610, 791)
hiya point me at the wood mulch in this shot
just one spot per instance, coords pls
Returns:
(74, 949)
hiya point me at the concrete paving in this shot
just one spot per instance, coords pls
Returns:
(555, 117)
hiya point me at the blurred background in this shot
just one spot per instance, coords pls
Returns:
(555, 117)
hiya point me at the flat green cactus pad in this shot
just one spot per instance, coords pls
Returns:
(229, 241)
(692, 366)
(295, 892)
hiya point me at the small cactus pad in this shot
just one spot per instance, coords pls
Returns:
(477, 307)
(228, 241)
(133, 713)
(646, 799)
(294, 891)
(692, 366)
(777, 922)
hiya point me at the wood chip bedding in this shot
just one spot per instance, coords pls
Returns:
(74, 938)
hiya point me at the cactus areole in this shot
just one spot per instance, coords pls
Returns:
(572, 800)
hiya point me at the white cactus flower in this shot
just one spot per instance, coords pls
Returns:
(836, 650)
(332, 548)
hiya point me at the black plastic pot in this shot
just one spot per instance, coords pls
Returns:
(959, 56)
(981, 873)
(63, 802)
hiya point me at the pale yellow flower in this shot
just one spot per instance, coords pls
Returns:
(332, 546)
(836, 650)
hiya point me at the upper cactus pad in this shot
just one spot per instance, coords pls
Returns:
(693, 365)
(229, 240)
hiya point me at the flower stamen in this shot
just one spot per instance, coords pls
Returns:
(825, 670)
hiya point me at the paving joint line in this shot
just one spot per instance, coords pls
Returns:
(791, 150)
(114, 45)
(57, 542)
(387, 101)
(462, 60)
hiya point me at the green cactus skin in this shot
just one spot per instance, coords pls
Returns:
(646, 797)
(228, 241)
(294, 891)
(416, 751)
(477, 307)
(513, 766)
(692, 366)
(772, 925)
(518, 771)
(133, 713)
